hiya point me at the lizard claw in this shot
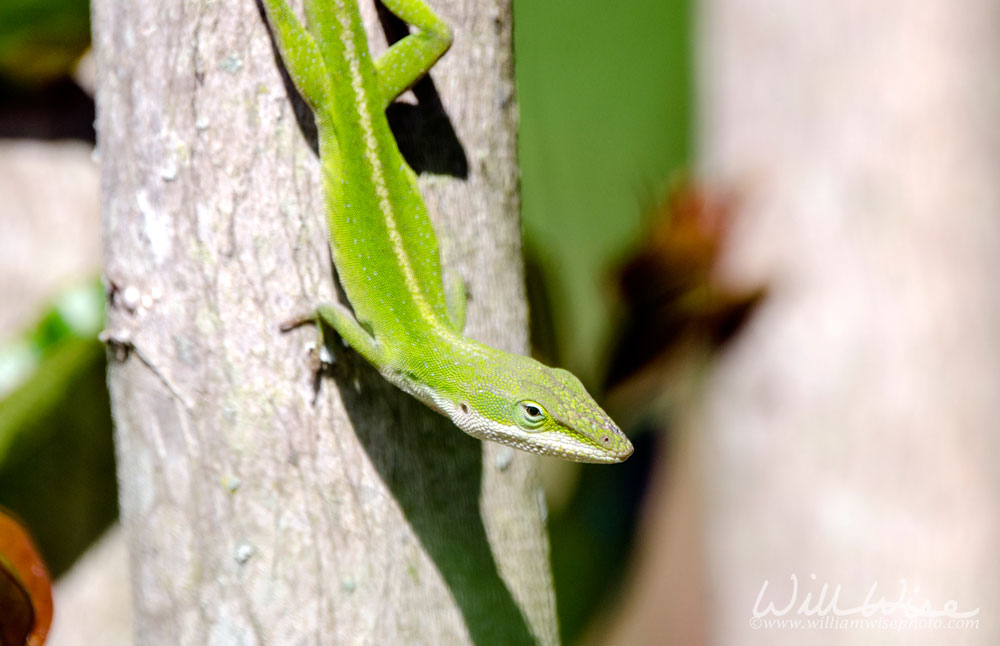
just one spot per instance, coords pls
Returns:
(298, 321)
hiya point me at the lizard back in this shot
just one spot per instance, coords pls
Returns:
(381, 236)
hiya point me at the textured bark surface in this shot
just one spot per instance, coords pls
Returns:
(851, 432)
(256, 510)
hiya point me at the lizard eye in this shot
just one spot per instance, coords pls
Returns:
(530, 415)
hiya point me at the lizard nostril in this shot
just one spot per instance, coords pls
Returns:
(464, 407)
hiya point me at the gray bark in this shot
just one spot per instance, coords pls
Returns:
(254, 514)
(851, 432)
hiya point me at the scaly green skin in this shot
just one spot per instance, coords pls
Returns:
(386, 252)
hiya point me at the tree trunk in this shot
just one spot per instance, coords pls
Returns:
(259, 510)
(851, 432)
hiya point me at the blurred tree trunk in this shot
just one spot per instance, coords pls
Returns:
(851, 433)
(258, 512)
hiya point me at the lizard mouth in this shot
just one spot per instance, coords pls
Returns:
(591, 451)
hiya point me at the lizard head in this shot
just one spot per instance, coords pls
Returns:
(525, 404)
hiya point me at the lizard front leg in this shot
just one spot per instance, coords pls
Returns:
(343, 322)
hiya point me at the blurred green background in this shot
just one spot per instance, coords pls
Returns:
(605, 99)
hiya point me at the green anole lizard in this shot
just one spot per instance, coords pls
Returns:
(405, 322)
